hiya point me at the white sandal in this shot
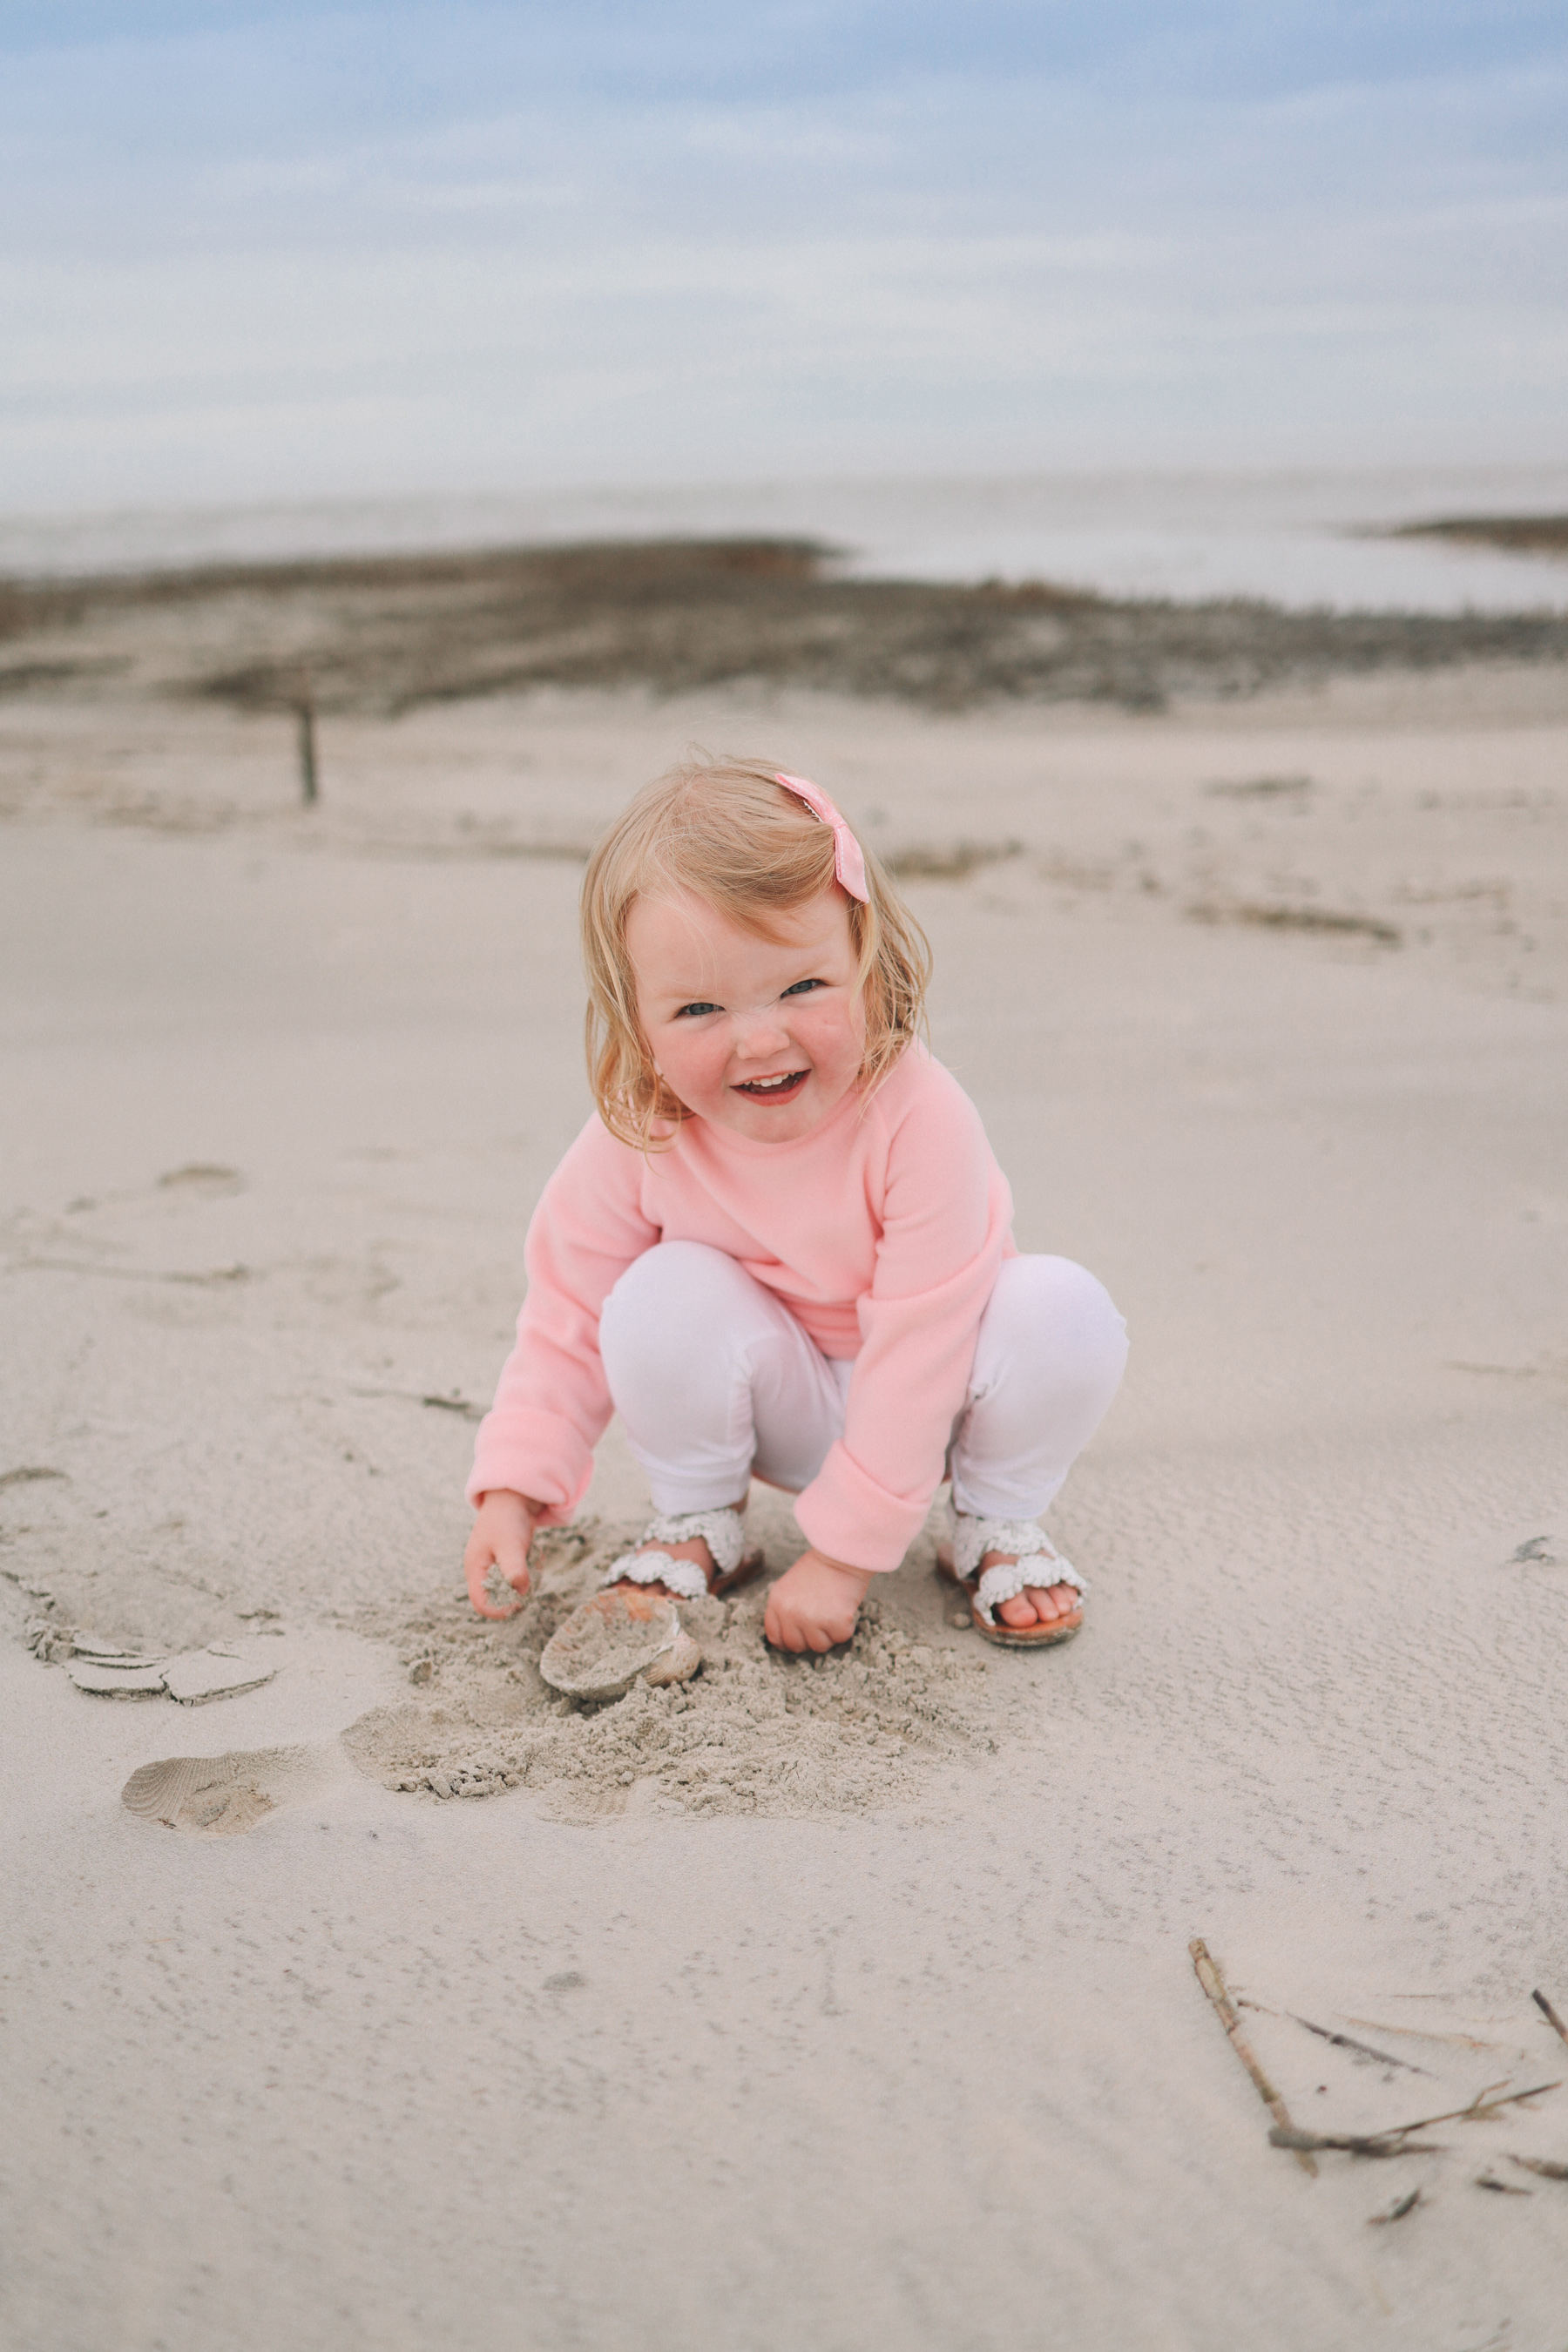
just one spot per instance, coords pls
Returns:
(960, 1557)
(722, 1533)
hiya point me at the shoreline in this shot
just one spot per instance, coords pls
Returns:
(391, 635)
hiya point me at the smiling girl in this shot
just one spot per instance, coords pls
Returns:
(782, 1249)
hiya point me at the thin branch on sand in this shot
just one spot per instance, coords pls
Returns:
(1396, 2141)
(1353, 2143)
(1424, 2033)
(1542, 2164)
(1213, 1985)
(1364, 2049)
(1550, 2015)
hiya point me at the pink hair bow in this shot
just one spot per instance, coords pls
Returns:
(847, 863)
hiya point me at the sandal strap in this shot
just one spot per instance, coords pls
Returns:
(1025, 1540)
(722, 1533)
(681, 1577)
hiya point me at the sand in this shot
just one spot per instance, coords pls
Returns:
(833, 2006)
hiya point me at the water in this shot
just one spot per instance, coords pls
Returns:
(1300, 539)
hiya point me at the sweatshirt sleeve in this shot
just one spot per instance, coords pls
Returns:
(946, 1228)
(552, 1402)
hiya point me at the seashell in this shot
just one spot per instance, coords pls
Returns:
(676, 1664)
(606, 1643)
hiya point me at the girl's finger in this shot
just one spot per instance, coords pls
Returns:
(478, 1573)
(781, 1631)
(512, 1560)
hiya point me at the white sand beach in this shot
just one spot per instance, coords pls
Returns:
(847, 2006)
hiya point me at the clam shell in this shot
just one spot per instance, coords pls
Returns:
(603, 1647)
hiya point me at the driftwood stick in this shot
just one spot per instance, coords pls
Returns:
(1550, 2015)
(1213, 1985)
(1395, 2140)
(1354, 2143)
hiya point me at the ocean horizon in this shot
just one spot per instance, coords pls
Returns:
(1298, 537)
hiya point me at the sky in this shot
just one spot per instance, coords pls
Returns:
(275, 250)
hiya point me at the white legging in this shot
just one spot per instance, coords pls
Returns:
(716, 1381)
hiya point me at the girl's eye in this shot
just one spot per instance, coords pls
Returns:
(802, 985)
(692, 1010)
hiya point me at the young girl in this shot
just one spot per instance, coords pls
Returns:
(781, 1250)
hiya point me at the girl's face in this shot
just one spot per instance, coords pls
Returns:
(763, 1036)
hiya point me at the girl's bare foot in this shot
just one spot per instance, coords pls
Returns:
(1036, 1604)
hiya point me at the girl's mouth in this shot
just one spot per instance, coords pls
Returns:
(779, 1089)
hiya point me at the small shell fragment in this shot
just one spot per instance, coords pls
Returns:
(676, 1664)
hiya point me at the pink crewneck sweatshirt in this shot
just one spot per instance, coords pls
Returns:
(882, 1232)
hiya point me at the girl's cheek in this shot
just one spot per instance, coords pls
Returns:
(698, 1059)
(831, 1028)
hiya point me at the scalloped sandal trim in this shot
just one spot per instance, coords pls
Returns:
(719, 1581)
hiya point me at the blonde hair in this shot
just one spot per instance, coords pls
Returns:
(727, 832)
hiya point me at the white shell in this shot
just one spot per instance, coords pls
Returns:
(603, 1647)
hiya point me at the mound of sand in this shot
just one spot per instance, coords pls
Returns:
(755, 1732)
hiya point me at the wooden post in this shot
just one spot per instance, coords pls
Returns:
(305, 710)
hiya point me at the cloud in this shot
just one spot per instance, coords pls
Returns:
(253, 250)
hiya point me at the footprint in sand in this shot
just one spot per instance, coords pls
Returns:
(219, 1796)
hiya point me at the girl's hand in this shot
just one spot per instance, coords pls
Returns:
(502, 1534)
(815, 1604)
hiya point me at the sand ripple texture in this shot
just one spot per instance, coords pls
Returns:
(755, 1732)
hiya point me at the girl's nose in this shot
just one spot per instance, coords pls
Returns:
(759, 1034)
